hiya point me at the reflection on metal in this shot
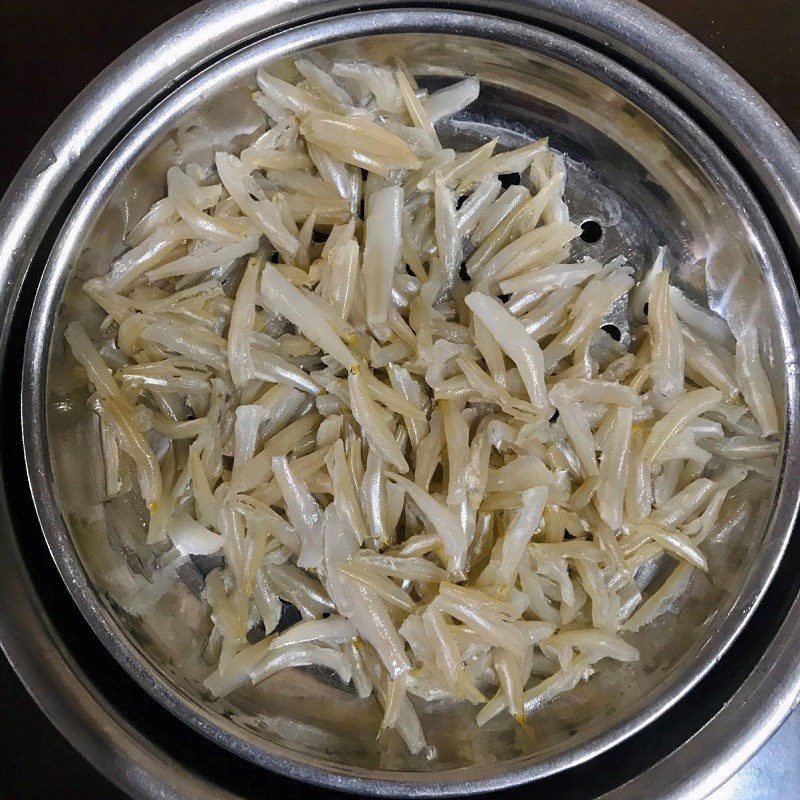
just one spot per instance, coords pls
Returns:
(773, 773)
(548, 73)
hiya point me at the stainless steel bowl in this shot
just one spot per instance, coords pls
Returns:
(650, 174)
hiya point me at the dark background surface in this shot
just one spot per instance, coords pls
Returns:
(52, 48)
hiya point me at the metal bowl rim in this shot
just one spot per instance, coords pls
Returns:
(791, 365)
(38, 344)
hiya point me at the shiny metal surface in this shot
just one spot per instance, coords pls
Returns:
(22, 197)
(773, 773)
(640, 167)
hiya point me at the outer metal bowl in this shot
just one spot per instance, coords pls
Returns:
(712, 180)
